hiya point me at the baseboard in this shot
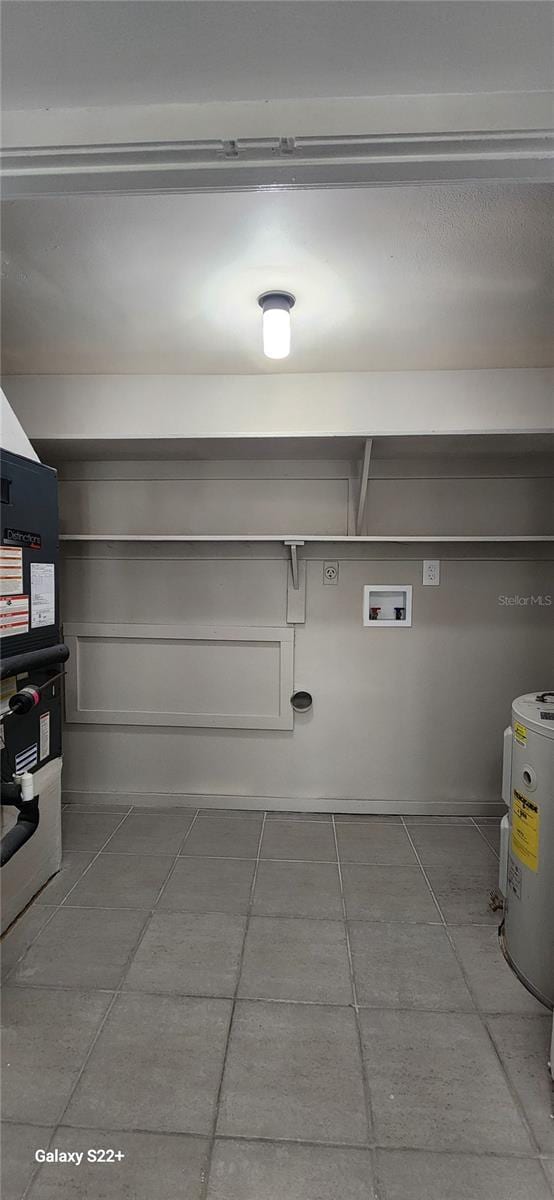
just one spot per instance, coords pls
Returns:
(405, 808)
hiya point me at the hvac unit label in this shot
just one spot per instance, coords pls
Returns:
(43, 595)
(14, 615)
(11, 571)
(520, 733)
(525, 830)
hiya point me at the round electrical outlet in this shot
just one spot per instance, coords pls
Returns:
(330, 572)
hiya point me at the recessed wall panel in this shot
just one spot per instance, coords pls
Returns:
(178, 675)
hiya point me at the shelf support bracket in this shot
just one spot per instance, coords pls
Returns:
(296, 585)
(293, 549)
(364, 478)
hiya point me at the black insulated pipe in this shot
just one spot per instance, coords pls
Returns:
(34, 660)
(24, 828)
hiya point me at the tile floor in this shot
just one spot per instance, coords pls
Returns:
(258, 1007)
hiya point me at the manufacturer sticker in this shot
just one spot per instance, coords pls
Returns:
(26, 759)
(11, 571)
(14, 615)
(525, 830)
(22, 537)
(514, 878)
(43, 594)
(520, 733)
(44, 739)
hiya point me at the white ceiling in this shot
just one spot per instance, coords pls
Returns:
(446, 277)
(90, 52)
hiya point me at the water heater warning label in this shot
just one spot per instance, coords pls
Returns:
(525, 830)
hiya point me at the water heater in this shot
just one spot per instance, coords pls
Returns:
(528, 788)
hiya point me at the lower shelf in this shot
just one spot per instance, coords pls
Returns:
(301, 538)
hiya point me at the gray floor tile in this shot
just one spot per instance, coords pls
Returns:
(451, 845)
(19, 1143)
(299, 839)
(47, 1034)
(359, 818)
(189, 954)
(73, 864)
(156, 1066)
(156, 1167)
(407, 966)
(293, 1071)
(152, 833)
(298, 890)
(80, 948)
(387, 894)
(225, 837)
(377, 842)
(548, 1165)
(493, 983)
(122, 881)
(87, 830)
(19, 936)
(209, 885)
(266, 1171)
(436, 1084)
(417, 1175)
(444, 819)
(295, 959)
(231, 812)
(299, 816)
(463, 895)
(523, 1043)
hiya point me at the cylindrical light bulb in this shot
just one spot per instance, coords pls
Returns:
(276, 333)
(276, 308)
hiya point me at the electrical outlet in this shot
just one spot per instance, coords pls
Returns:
(330, 572)
(431, 572)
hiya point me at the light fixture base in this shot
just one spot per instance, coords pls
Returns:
(284, 300)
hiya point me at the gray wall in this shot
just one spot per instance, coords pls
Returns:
(406, 720)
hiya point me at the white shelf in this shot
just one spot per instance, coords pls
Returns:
(297, 537)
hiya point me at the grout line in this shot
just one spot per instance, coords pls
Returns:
(479, 1013)
(162, 888)
(437, 1152)
(212, 1135)
(356, 1009)
(329, 862)
(486, 840)
(115, 993)
(65, 987)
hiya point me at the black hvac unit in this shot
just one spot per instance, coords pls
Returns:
(32, 655)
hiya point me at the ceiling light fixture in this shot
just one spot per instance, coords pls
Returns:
(276, 308)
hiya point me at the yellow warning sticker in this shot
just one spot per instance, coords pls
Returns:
(520, 733)
(525, 830)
